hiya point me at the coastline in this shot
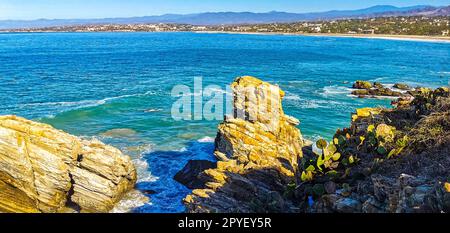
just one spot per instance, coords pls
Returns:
(440, 39)
(129, 131)
(416, 38)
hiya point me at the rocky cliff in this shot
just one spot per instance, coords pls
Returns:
(388, 161)
(258, 149)
(400, 160)
(46, 170)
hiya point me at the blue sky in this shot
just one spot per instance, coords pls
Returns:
(64, 9)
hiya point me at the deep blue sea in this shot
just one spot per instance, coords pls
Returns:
(117, 87)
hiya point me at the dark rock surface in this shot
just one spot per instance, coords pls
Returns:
(189, 175)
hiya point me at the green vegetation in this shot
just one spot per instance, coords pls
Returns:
(427, 26)
(376, 144)
(414, 25)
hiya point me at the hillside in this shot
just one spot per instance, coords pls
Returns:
(229, 18)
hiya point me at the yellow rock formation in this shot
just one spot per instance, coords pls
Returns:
(259, 141)
(43, 169)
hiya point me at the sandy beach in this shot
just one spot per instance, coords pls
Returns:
(442, 39)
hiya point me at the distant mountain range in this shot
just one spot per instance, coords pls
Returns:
(227, 18)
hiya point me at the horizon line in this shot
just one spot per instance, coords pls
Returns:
(206, 12)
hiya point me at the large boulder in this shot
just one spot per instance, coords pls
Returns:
(258, 149)
(43, 169)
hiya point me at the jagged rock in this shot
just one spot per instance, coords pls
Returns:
(403, 101)
(401, 86)
(189, 175)
(46, 170)
(372, 206)
(376, 92)
(259, 133)
(361, 116)
(330, 187)
(412, 181)
(258, 150)
(419, 91)
(362, 85)
(442, 91)
(378, 85)
(347, 205)
(334, 203)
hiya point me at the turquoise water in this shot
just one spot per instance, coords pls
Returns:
(90, 83)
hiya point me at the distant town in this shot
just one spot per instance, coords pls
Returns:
(400, 25)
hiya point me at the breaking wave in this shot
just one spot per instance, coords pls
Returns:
(335, 90)
(74, 105)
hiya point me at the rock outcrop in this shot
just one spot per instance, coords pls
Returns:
(362, 85)
(399, 91)
(43, 169)
(189, 175)
(402, 155)
(258, 149)
(387, 161)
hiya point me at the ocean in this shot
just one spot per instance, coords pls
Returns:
(117, 87)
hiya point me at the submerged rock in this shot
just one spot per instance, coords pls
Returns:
(43, 169)
(258, 150)
(113, 133)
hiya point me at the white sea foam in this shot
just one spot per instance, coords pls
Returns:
(130, 201)
(314, 103)
(84, 103)
(153, 110)
(189, 94)
(335, 90)
(309, 104)
(379, 79)
(391, 86)
(206, 139)
(143, 173)
(298, 81)
(292, 97)
(217, 90)
(142, 167)
(212, 90)
(182, 149)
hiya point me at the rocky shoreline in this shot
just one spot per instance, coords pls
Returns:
(387, 161)
(364, 89)
(43, 169)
